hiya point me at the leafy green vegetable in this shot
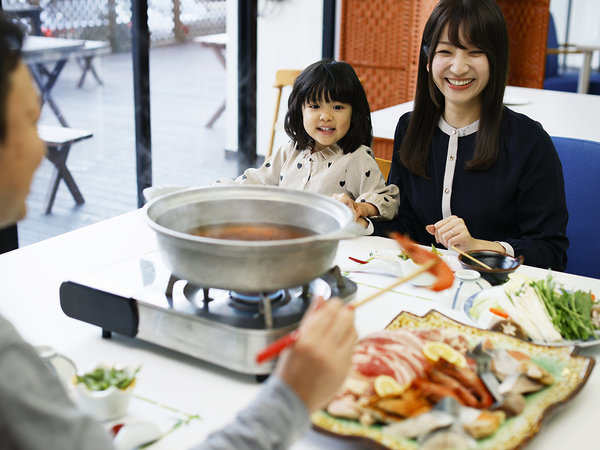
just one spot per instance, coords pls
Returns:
(101, 379)
(570, 312)
(434, 250)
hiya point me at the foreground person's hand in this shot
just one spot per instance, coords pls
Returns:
(318, 362)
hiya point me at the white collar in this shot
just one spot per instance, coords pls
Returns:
(460, 132)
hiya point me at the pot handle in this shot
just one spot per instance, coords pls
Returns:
(351, 231)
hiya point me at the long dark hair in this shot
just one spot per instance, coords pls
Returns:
(11, 41)
(332, 81)
(482, 24)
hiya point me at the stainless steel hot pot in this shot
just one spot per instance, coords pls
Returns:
(248, 266)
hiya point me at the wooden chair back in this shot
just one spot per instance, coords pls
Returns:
(283, 78)
(527, 24)
(385, 166)
(381, 40)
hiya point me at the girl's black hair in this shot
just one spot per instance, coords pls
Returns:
(481, 24)
(330, 81)
(11, 41)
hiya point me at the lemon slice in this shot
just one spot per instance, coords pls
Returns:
(386, 385)
(435, 350)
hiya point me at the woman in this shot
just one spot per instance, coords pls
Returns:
(471, 172)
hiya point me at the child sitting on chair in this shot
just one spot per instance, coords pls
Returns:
(329, 123)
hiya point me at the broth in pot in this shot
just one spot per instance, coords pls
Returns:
(252, 231)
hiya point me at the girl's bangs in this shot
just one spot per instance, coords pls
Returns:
(330, 90)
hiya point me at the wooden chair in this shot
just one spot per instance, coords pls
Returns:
(385, 166)
(527, 24)
(382, 40)
(58, 141)
(282, 78)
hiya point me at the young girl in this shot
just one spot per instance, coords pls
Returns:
(471, 172)
(329, 123)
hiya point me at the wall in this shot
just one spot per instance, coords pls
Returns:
(289, 36)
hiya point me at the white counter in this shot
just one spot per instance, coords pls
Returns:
(560, 113)
(29, 282)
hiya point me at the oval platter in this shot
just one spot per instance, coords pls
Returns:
(571, 372)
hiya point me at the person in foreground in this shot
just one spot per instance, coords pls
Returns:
(329, 123)
(471, 172)
(35, 412)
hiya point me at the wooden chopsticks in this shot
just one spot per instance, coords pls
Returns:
(272, 350)
(422, 269)
(466, 255)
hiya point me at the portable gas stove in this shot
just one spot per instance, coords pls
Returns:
(140, 298)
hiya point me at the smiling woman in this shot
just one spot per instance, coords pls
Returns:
(472, 173)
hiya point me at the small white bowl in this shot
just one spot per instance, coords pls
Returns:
(109, 404)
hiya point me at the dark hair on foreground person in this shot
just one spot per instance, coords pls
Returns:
(484, 27)
(11, 41)
(331, 81)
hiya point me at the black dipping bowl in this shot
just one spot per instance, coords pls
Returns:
(501, 264)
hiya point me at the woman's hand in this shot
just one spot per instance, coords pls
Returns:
(317, 364)
(452, 231)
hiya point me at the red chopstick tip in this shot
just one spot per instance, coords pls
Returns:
(275, 348)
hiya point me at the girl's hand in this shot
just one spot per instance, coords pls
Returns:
(346, 200)
(452, 231)
(360, 209)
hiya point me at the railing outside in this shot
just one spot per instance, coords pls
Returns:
(110, 20)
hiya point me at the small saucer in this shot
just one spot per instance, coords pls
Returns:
(514, 100)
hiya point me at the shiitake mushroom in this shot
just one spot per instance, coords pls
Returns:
(510, 328)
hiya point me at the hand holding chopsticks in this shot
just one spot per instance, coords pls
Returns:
(429, 262)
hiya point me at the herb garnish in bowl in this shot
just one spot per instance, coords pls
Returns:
(105, 392)
(102, 378)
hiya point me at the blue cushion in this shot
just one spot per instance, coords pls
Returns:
(563, 81)
(581, 169)
(568, 83)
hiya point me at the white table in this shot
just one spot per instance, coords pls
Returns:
(29, 282)
(560, 113)
(588, 48)
(39, 52)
